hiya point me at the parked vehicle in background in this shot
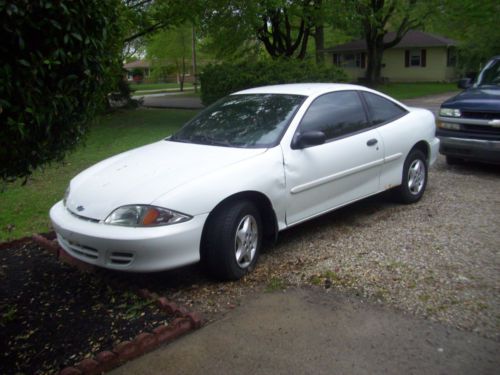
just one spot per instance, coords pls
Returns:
(252, 164)
(468, 124)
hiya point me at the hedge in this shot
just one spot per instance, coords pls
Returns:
(58, 61)
(219, 80)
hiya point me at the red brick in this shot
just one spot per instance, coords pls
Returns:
(126, 350)
(180, 311)
(146, 342)
(195, 318)
(170, 307)
(166, 334)
(48, 245)
(107, 360)
(88, 366)
(163, 304)
(70, 371)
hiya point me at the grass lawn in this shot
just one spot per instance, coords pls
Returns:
(402, 91)
(24, 209)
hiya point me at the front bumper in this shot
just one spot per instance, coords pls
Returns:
(127, 248)
(471, 149)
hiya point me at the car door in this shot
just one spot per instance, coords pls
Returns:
(346, 167)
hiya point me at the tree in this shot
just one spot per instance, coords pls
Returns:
(375, 18)
(171, 47)
(474, 24)
(283, 27)
(59, 61)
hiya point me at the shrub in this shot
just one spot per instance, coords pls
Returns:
(59, 60)
(219, 80)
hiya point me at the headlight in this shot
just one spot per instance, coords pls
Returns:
(450, 112)
(144, 216)
(66, 195)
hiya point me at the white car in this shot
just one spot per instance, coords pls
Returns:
(252, 164)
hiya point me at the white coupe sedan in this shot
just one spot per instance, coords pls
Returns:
(252, 164)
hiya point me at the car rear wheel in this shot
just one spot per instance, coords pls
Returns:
(414, 178)
(232, 240)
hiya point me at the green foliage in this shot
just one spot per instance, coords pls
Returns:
(219, 80)
(170, 52)
(59, 60)
(474, 24)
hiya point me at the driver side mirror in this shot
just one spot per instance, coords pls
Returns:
(307, 139)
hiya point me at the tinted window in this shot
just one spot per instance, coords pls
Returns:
(382, 110)
(336, 114)
(256, 120)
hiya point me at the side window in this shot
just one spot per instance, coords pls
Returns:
(382, 110)
(336, 114)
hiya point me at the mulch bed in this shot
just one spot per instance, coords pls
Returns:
(53, 315)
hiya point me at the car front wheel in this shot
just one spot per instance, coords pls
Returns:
(414, 178)
(232, 240)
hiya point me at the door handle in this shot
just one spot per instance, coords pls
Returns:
(371, 142)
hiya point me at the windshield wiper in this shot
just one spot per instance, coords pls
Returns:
(203, 139)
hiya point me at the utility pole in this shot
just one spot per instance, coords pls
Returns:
(193, 48)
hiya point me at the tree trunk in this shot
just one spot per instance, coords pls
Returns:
(319, 41)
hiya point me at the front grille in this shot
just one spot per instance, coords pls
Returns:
(121, 258)
(84, 251)
(481, 115)
(480, 129)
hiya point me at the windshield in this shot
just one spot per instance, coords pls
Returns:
(250, 121)
(490, 75)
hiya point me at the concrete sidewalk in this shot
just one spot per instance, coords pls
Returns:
(311, 331)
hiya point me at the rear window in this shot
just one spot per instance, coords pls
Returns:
(381, 109)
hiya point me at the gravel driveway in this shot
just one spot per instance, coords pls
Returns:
(438, 258)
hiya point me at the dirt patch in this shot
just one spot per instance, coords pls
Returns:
(52, 315)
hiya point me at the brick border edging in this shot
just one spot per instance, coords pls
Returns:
(107, 360)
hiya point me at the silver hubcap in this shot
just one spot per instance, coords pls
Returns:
(416, 176)
(245, 241)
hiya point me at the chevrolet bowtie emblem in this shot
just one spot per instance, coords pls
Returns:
(495, 123)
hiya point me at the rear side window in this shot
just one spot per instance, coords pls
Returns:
(336, 114)
(381, 109)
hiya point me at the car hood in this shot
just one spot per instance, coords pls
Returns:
(142, 175)
(476, 99)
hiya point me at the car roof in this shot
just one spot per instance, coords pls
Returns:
(307, 89)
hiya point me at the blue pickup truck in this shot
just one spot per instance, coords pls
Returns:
(468, 124)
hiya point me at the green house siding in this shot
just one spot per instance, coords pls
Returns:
(396, 67)
(435, 68)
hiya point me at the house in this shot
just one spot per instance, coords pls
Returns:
(134, 67)
(418, 57)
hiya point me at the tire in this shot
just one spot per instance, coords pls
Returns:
(451, 160)
(414, 180)
(232, 240)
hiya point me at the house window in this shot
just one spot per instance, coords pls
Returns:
(350, 60)
(451, 59)
(415, 58)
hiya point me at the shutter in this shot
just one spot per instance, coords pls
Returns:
(363, 60)
(407, 58)
(423, 58)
